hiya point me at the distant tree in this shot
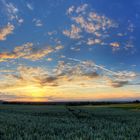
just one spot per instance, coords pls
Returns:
(1, 102)
(136, 101)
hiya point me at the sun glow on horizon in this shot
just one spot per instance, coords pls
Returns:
(82, 50)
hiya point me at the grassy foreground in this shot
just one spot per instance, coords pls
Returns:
(42, 122)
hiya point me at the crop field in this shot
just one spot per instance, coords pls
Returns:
(61, 122)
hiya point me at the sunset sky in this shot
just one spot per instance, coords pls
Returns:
(69, 50)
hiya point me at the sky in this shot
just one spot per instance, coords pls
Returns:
(69, 50)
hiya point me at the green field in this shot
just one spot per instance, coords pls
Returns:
(60, 122)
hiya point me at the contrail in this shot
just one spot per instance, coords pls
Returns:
(95, 65)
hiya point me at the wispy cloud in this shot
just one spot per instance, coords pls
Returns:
(5, 31)
(12, 12)
(73, 75)
(10, 96)
(81, 8)
(70, 10)
(27, 75)
(75, 72)
(113, 78)
(28, 51)
(30, 6)
(93, 41)
(37, 22)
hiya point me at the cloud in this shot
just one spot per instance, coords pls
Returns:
(95, 28)
(125, 75)
(113, 78)
(10, 96)
(115, 45)
(131, 27)
(37, 22)
(88, 24)
(52, 33)
(28, 51)
(75, 48)
(122, 78)
(12, 10)
(49, 59)
(121, 83)
(35, 75)
(73, 32)
(93, 65)
(6, 71)
(70, 10)
(93, 41)
(59, 47)
(94, 23)
(26, 76)
(64, 73)
(29, 6)
(71, 73)
(129, 45)
(81, 8)
(20, 21)
(117, 83)
(5, 31)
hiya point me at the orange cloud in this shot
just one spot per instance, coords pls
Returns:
(5, 31)
(27, 51)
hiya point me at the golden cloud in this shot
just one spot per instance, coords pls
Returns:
(27, 51)
(5, 31)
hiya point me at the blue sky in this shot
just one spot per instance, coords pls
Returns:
(69, 50)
